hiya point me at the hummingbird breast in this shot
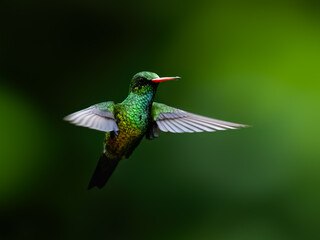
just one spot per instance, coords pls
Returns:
(132, 119)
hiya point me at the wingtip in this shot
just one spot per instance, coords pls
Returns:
(66, 118)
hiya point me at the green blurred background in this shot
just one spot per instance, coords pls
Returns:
(253, 62)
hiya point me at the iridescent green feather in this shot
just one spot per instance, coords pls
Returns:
(106, 106)
(158, 108)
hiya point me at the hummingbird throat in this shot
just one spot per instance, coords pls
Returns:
(141, 96)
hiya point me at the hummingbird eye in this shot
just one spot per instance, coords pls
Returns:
(142, 79)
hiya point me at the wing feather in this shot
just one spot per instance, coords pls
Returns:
(179, 125)
(211, 125)
(175, 126)
(162, 127)
(174, 120)
(168, 126)
(99, 117)
(189, 126)
(199, 125)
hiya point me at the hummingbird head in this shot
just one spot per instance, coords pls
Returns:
(144, 82)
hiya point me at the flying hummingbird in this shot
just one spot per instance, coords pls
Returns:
(126, 123)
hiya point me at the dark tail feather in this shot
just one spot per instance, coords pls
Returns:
(103, 171)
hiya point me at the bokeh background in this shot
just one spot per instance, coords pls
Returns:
(253, 62)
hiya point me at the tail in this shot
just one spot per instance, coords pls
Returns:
(103, 171)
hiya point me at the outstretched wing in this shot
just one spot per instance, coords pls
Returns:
(99, 117)
(169, 119)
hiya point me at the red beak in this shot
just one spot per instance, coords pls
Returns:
(162, 79)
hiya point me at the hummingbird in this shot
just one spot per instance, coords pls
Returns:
(126, 123)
